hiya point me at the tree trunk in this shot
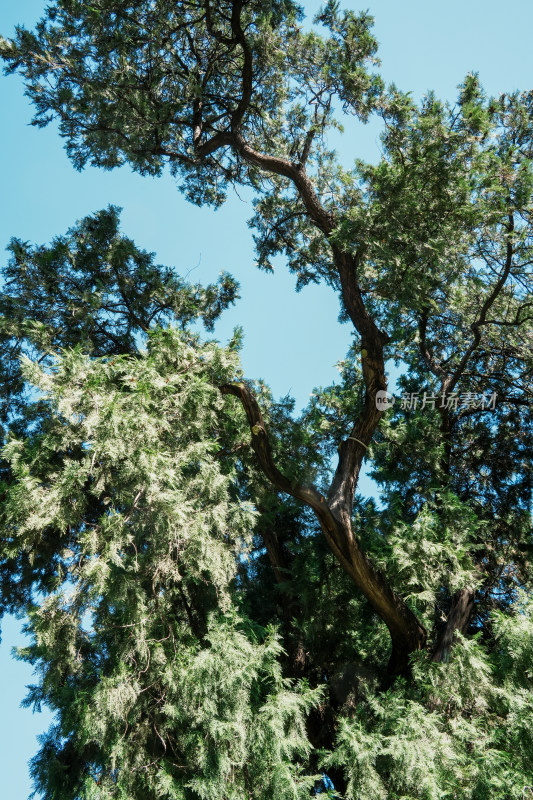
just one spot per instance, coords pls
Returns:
(280, 562)
(458, 620)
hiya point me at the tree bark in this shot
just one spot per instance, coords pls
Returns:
(407, 633)
(333, 514)
(458, 620)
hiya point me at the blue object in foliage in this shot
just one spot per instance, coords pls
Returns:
(328, 783)
(325, 785)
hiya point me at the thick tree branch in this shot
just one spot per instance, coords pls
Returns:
(261, 445)
(247, 66)
(373, 340)
(296, 173)
(334, 515)
(406, 632)
(458, 620)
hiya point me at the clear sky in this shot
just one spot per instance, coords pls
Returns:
(292, 340)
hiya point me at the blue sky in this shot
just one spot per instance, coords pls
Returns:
(423, 45)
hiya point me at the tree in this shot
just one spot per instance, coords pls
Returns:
(137, 635)
(430, 252)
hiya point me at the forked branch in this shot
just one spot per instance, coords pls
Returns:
(406, 632)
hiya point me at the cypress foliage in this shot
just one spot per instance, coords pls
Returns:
(162, 687)
(213, 610)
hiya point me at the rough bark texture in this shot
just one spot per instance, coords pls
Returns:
(458, 620)
(334, 516)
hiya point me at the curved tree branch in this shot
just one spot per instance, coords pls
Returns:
(406, 632)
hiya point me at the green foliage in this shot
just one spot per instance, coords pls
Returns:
(160, 687)
(432, 554)
(95, 288)
(191, 629)
(459, 731)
